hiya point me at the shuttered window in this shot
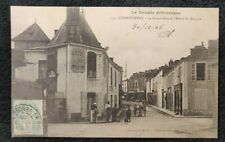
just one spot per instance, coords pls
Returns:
(209, 71)
(200, 71)
(193, 71)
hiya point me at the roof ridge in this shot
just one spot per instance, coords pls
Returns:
(75, 31)
(38, 35)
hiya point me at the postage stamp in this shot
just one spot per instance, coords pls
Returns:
(27, 117)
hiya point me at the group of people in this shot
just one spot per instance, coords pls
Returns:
(111, 112)
(114, 114)
(140, 109)
(127, 114)
(117, 114)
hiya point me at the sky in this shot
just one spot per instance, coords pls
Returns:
(144, 38)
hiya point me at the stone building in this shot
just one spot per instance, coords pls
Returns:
(136, 86)
(153, 85)
(33, 36)
(190, 86)
(74, 70)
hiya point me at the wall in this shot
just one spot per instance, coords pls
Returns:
(113, 90)
(157, 86)
(61, 70)
(196, 94)
(182, 78)
(201, 92)
(28, 44)
(76, 85)
(30, 71)
(138, 78)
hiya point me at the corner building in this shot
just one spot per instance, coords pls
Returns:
(75, 70)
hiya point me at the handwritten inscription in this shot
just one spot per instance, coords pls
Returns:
(163, 31)
(166, 33)
(146, 26)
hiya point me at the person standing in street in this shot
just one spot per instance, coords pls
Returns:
(128, 114)
(94, 112)
(139, 110)
(114, 113)
(125, 114)
(144, 108)
(107, 110)
(135, 110)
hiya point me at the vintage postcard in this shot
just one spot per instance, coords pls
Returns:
(130, 72)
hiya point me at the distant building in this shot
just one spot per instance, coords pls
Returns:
(33, 36)
(136, 86)
(73, 68)
(136, 82)
(151, 98)
(124, 85)
(189, 87)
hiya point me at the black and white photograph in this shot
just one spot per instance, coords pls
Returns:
(114, 72)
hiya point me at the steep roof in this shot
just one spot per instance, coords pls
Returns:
(75, 30)
(32, 33)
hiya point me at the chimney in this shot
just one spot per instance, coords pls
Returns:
(72, 24)
(111, 58)
(198, 50)
(56, 31)
(72, 17)
(171, 63)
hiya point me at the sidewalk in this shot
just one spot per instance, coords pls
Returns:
(164, 111)
(170, 113)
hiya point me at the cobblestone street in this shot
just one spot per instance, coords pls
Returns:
(155, 124)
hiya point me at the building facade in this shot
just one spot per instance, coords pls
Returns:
(189, 86)
(136, 86)
(75, 70)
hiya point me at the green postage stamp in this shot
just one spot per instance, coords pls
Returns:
(27, 117)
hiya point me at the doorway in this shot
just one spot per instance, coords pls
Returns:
(91, 98)
(178, 99)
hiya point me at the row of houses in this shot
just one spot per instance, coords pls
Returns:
(70, 72)
(187, 87)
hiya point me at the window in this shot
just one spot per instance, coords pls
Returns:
(105, 66)
(209, 72)
(91, 65)
(179, 74)
(193, 71)
(200, 72)
(78, 60)
(136, 84)
(42, 69)
(115, 79)
(111, 81)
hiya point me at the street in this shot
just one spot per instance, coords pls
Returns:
(154, 125)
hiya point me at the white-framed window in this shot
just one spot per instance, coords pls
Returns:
(208, 71)
(200, 71)
(193, 71)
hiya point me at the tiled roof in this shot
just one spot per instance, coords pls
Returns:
(32, 33)
(75, 30)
